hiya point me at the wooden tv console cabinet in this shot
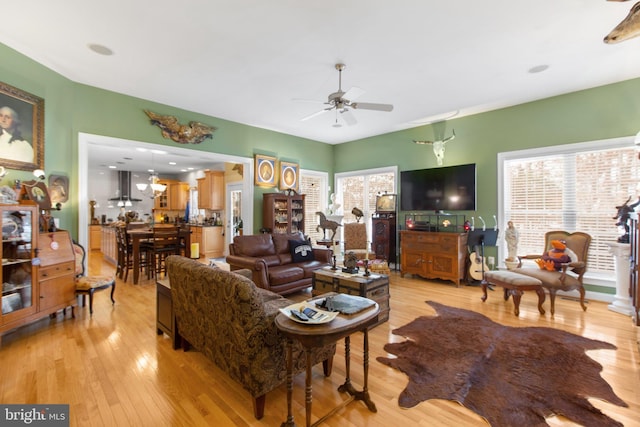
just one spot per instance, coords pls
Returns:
(433, 255)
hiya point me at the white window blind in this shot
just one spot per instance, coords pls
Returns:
(571, 191)
(313, 186)
(360, 188)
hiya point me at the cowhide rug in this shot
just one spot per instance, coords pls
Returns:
(510, 376)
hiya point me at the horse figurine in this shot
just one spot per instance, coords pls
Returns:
(327, 224)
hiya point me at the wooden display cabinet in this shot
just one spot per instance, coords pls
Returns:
(19, 276)
(433, 255)
(283, 213)
(211, 191)
(384, 237)
(38, 270)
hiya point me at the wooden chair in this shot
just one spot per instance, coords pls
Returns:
(570, 275)
(355, 239)
(87, 285)
(165, 242)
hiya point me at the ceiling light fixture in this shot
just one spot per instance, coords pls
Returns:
(100, 49)
(156, 189)
(538, 68)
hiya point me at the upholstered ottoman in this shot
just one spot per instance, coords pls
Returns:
(514, 284)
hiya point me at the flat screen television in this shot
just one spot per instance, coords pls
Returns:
(451, 188)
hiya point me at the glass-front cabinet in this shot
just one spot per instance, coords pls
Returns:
(19, 241)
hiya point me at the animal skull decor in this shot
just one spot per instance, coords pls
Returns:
(438, 147)
(628, 28)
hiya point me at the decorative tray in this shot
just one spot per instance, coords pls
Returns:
(314, 317)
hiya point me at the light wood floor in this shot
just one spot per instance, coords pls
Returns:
(113, 369)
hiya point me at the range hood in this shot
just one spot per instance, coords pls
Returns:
(124, 188)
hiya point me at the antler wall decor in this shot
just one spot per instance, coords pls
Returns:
(628, 28)
(438, 147)
(193, 133)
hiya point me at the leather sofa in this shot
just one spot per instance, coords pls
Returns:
(230, 320)
(270, 259)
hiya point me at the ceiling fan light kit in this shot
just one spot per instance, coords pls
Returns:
(343, 102)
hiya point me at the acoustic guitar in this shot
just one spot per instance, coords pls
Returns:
(478, 263)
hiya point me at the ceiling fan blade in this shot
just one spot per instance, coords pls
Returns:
(372, 106)
(317, 113)
(349, 118)
(353, 93)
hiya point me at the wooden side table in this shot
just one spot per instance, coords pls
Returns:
(165, 317)
(311, 336)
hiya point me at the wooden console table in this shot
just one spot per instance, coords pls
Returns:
(319, 335)
(433, 255)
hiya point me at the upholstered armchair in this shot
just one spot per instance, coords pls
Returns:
(355, 239)
(571, 273)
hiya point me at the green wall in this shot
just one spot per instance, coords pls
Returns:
(598, 113)
(71, 108)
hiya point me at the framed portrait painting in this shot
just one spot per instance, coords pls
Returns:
(36, 191)
(265, 171)
(21, 129)
(289, 176)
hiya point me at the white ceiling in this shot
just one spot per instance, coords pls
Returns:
(247, 61)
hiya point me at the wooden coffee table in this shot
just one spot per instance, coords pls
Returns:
(311, 336)
(375, 286)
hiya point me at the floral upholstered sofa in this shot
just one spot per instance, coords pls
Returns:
(230, 320)
(273, 260)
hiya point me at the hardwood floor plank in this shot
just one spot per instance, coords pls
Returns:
(113, 369)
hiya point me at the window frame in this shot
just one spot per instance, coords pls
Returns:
(364, 173)
(592, 278)
(323, 199)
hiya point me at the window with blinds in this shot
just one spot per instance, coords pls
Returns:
(360, 188)
(313, 185)
(572, 190)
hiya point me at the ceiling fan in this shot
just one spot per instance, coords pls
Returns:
(343, 102)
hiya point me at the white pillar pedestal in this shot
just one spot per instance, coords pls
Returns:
(622, 301)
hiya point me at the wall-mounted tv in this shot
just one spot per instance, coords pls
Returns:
(451, 188)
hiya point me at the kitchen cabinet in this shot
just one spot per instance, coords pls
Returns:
(178, 196)
(108, 245)
(210, 239)
(95, 237)
(174, 197)
(211, 191)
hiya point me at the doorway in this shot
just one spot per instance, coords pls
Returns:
(234, 220)
(86, 141)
